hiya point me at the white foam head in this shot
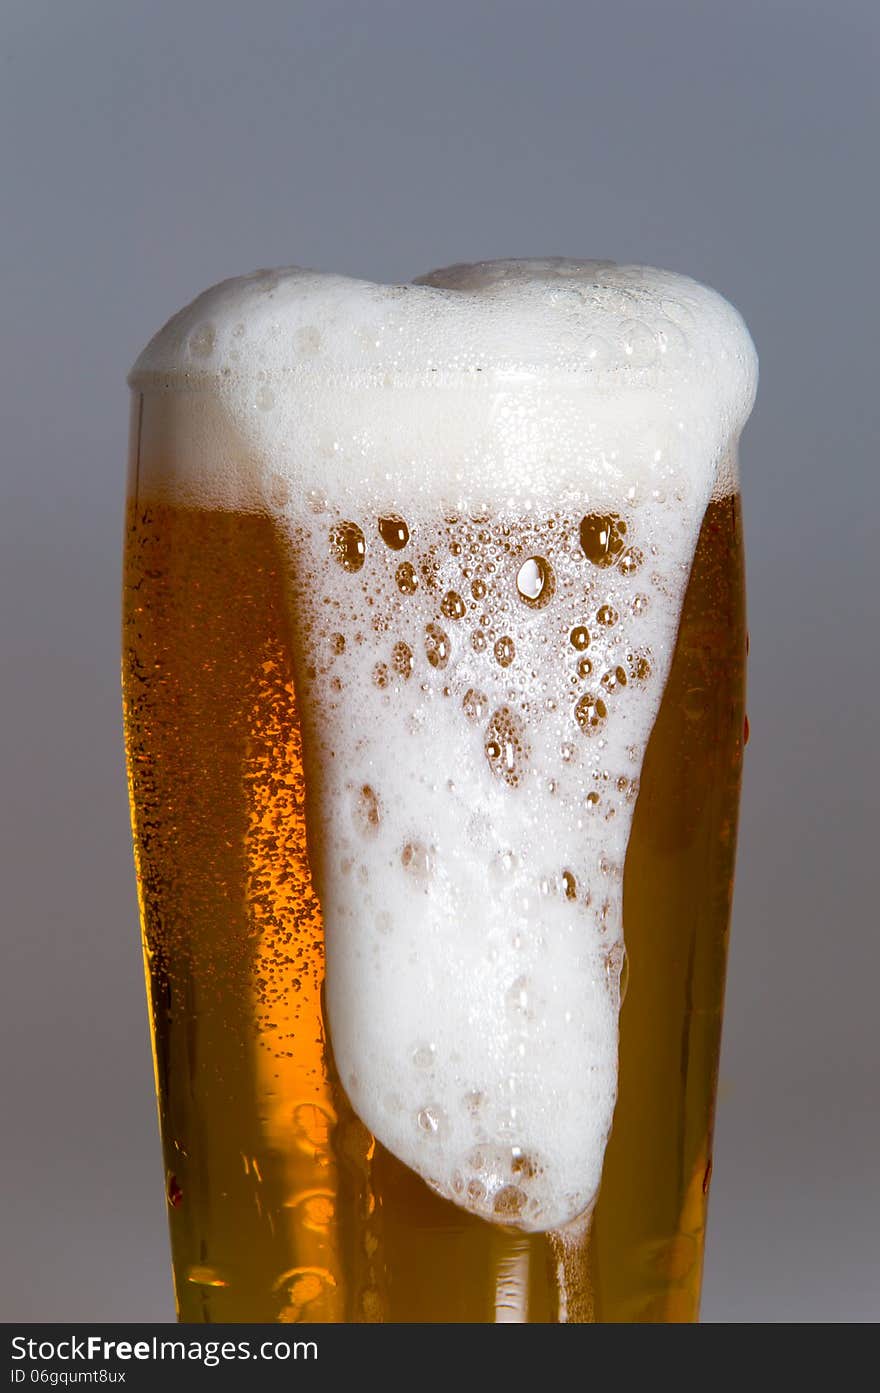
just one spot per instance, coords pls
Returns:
(472, 758)
(482, 380)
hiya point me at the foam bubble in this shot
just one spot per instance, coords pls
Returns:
(491, 482)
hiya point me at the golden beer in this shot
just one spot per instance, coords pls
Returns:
(281, 1205)
(399, 771)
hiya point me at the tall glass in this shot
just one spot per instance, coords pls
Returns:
(251, 672)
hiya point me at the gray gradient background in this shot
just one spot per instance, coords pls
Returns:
(149, 149)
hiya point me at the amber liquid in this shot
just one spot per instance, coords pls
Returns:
(281, 1205)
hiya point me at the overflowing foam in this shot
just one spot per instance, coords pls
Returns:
(492, 484)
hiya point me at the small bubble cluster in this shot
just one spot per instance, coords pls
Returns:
(402, 660)
(530, 630)
(348, 546)
(505, 745)
(590, 713)
(474, 704)
(437, 646)
(394, 532)
(407, 580)
(494, 1182)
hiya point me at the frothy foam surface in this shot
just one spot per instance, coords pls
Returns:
(492, 482)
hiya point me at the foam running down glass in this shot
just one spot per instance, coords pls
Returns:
(434, 647)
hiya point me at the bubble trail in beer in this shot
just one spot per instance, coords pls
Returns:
(491, 483)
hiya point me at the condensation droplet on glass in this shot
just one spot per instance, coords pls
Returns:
(302, 1286)
(203, 1276)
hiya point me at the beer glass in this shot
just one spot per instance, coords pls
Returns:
(433, 669)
